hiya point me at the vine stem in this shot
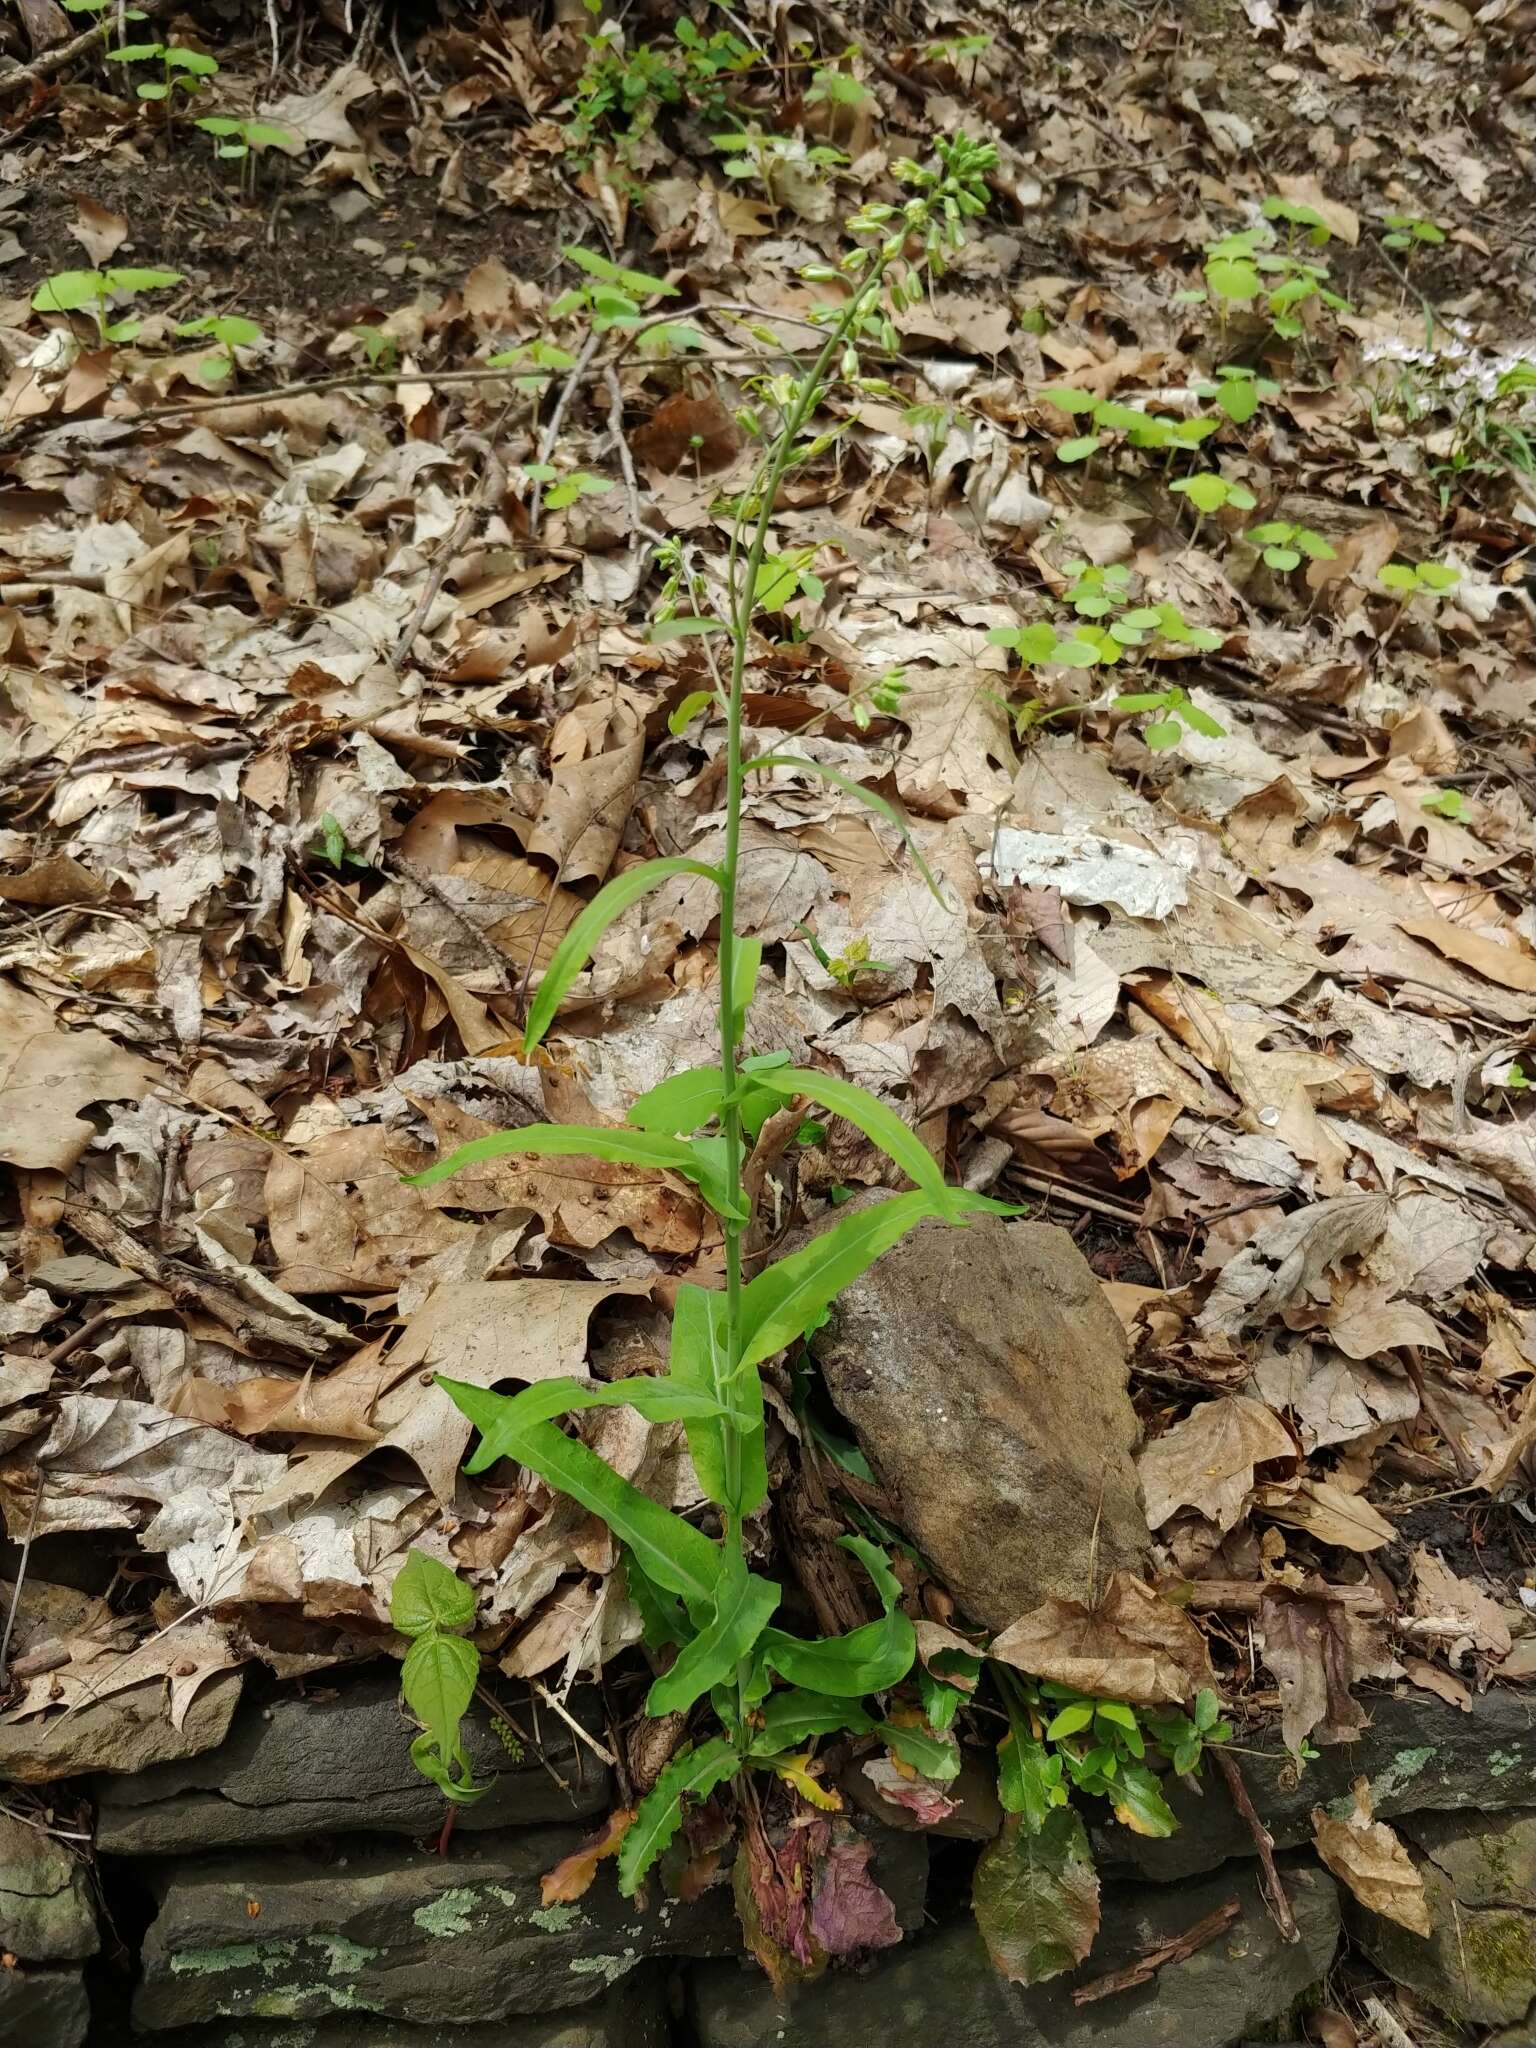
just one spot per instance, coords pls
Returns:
(742, 591)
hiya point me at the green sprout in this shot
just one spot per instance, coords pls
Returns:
(1284, 544)
(91, 291)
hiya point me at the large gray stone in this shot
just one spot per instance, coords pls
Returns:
(443, 1940)
(632, 2015)
(301, 1767)
(43, 2008)
(1478, 1965)
(984, 1374)
(128, 1732)
(942, 1987)
(46, 1914)
(1420, 1755)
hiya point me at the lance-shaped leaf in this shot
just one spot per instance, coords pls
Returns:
(693, 1774)
(727, 1451)
(867, 1659)
(1028, 1777)
(658, 1400)
(575, 949)
(744, 1604)
(804, 765)
(675, 1554)
(615, 1142)
(936, 1756)
(683, 1102)
(1036, 1897)
(787, 1300)
(791, 1719)
(879, 1123)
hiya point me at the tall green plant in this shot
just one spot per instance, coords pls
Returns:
(769, 1692)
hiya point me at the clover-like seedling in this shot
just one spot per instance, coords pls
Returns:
(566, 489)
(1142, 429)
(1041, 646)
(178, 67)
(1408, 580)
(1284, 543)
(91, 291)
(1446, 803)
(230, 331)
(1177, 713)
(611, 295)
(1238, 391)
(1296, 214)
(1407, 231)
(1210, 491)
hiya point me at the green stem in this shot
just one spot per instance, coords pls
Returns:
(743, 587)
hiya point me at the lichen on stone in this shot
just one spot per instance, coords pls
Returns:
(449, 1913)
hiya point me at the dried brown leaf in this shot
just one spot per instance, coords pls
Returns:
(1365, 1855)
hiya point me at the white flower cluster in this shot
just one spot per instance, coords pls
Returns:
(1457, 369)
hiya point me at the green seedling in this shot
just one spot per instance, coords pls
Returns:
(622, 93)
(610, 296)
(1243, 267)
(92, 291)
(1209, 491)
(241, 142)
(1108, 416)
(1177, 712)
(330, 848)
(1407, 580)
(565, 490)
(433, 1607)
(178, 67)
(380, 350)
(1446, 803)
(1238, 391)
(845, 968)
(753, 152)
(837, 89)
(1284, 543)
(230, 331)
(1407, 231)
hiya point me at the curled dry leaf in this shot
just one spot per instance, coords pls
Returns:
(1367, 1856)
(1134, 1645)
(572, 1876)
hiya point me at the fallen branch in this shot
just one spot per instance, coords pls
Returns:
(1176, 1949)
(1263, 1841)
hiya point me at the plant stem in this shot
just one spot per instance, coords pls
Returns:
(743, 587)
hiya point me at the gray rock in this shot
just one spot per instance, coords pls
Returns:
(1420, 1755)
(984, 1374)
(943, 1987)
(442, 1940)
(128, 1732)
(46, 1914)
(632, 2015)
(43, 2008)
(298, 1768)
(1478, 1965)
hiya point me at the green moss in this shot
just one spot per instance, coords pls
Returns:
(1501, 1957)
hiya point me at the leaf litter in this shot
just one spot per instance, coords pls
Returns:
(324, 708)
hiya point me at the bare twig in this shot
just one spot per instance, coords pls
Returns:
(581, 1734)
(1176, 1949)
(551, 432)
(1263, 1841)
(21, 1570)
(474, 505)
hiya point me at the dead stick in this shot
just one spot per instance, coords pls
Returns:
(1263, 1841)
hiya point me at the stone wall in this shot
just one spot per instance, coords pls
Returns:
(282, 1889)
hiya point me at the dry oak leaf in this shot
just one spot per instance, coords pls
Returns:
(47, 1076)
(1317, 1649)
(1330, 1513)
(1206, 1461)
(1365, 1855)
(1134, 1645)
